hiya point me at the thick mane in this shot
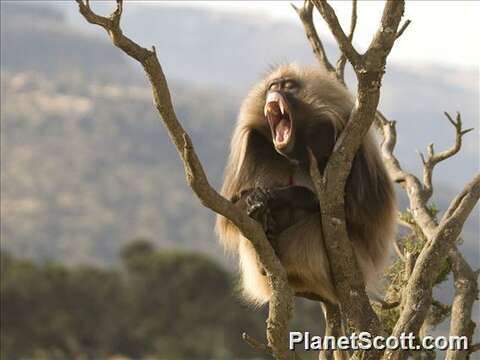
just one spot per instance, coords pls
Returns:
(370, 201)
(225, 230)
(238, 152)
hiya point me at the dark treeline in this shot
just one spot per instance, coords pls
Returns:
(165, 305)
(156, 304)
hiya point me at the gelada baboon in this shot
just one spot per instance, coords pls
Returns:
(292, 109)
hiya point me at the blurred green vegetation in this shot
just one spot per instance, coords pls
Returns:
(156, 304)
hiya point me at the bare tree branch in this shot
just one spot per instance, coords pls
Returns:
(305, 14)
(262, 348)
(408, 181)
(463, 204)
(418, 292)
(440, 237)
(330, 186)
(317, 47)
(466, 290)
(474, 348)
(410, 260)
(385, 305)
(333, 327)
(422, 271)
(403, 28)
(399, 250)
(257, 345)
(433, 159)
(340, 70)
(343, 41)
(281, 304)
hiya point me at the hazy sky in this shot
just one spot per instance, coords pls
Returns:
(441, 31)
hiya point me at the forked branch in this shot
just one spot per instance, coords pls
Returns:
(408, 181)
(330, 185)
(281, 303)
(305, 14)
(434, 158)
(343, 41)
(441, 237)
(342, 61)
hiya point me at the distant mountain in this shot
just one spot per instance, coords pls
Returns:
(81, 173)
(86, 164)
(38, 38)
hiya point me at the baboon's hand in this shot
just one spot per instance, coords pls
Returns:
(258, 202)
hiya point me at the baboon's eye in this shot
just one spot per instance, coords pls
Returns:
(273, 86)
(290, 84)
(283, 84)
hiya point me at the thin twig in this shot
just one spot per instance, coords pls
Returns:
(340, 70)
(403, 28)
(343, 41)
(405, 224)
(474, 348)
(333, 327)
(399, 250)
(434, 158)
(385, 305)
(305, 13)
(257, 345)
(262, 348)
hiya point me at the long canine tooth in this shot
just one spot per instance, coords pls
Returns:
(265, 110)
(282, 109)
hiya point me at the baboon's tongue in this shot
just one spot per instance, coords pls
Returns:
(282, 131)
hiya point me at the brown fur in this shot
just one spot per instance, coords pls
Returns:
(324, 107)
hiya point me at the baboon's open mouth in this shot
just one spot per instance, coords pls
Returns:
(279, 118)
